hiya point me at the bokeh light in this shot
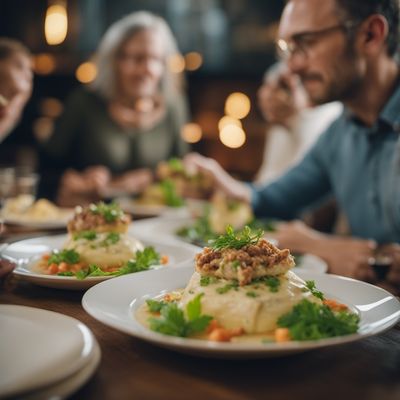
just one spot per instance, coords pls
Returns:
(176, 63)
(227, 120)
(232, 136)
(237, 105)
(193, 61)
(56, 24)
(86, 72)
(191, 132)
(44, 63)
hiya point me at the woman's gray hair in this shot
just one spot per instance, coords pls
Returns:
(116, 36)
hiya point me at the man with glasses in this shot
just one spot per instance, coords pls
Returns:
(341, 50)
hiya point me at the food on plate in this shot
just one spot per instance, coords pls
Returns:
(162, 193)
(217, 215)
(198, 186)
(98, 245)
(25, 207)
(99, 218)
(243, 290)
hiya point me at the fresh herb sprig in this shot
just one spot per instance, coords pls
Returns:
(310, 286)
(311, 321)
(171, 197)
(69, 256)
(174, 322)
(110, 212)
(144, 260)
(88, 235)
(232, 240)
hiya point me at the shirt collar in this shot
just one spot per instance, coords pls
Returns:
(390, 114)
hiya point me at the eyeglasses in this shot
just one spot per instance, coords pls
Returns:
(302, 43)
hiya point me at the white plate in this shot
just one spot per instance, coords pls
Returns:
(115, 302)
(27, 252)
(39, 348)
(39, 223)
(166, 227)
(66, 387)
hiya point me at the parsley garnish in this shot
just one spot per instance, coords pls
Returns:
(227, 287)
(310, 285)
(207, 280)
(68, 255)
(88, 235)
(311, 321)
(110, 239)
(173, 321)
(232, 240)
(155, 306)
(144, 260)
(110, 212)
(271, 281)
(251, 294)
(176, 165)
(171, 197)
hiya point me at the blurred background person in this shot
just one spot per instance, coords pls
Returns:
(344, 51)
(15, 83)
(294, 123)
(114, 132)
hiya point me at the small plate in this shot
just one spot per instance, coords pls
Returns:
(166, 227)
(20, 220)
(115, 302)
(27, 252)
(31, 356)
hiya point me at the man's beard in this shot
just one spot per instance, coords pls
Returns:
(346, 80)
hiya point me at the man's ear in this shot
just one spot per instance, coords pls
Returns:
(374, 32)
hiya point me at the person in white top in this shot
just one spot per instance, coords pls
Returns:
(294, 123)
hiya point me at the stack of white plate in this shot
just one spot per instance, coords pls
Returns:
(44, 354)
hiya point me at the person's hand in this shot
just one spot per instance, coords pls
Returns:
(81, 188)
(233, 188)
(134, 181)
(344, 255)
(276, 104)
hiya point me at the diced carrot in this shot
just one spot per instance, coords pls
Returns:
(224, 335)
(63, 267)
(282, 335)
(212, 325)
(53, 268)
(164, 259)
(335, 305)
(46, 256)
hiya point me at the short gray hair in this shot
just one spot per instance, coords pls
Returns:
(116, 36)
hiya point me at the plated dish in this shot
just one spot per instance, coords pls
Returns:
(256, 308)
(41, 214)
(97, 247)
(167, 227)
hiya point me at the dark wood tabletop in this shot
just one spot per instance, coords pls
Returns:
(133, 369)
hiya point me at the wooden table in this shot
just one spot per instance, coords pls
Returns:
(133, 369)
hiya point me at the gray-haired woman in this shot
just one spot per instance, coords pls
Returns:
(114, 132)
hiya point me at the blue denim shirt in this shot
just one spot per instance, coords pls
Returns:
(358, 165)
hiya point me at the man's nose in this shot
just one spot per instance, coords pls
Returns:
(296, 62)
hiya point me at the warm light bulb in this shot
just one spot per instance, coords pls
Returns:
(191, 133)
(56, 24)
(232, 136)
(237, 105)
